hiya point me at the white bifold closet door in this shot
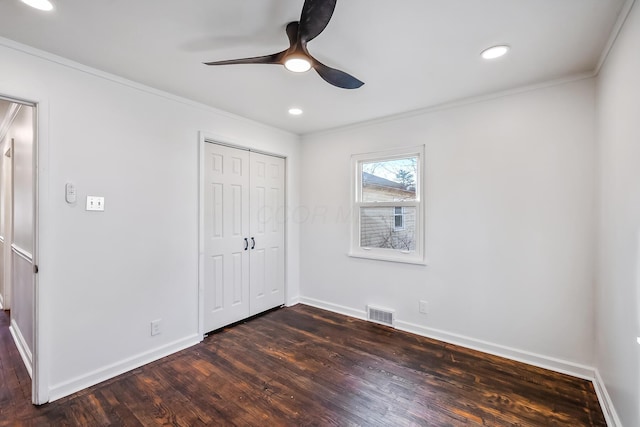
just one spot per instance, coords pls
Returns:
(244, 219)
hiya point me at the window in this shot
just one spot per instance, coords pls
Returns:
(387, 202)
(398, 220)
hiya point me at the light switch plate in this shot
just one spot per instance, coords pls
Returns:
(95, 203)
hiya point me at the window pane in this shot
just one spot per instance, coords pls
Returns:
(389, 180)
(399, 221)
(378, 228)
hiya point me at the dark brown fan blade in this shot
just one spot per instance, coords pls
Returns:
(276, 58)
(336, 77)
(292, 32)
(316, 15)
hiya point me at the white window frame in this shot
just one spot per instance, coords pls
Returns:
(394, 255)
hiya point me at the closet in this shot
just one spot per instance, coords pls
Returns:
(243, 234)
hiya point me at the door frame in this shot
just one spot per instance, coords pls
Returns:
(211, 138)
(39, 386)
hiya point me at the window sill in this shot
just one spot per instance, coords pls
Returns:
(388, 258)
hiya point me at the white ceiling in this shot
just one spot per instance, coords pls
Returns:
(411, 54)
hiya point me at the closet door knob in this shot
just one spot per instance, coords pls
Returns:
(253, 243)
(246, 243)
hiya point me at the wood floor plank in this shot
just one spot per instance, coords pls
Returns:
(309, 367)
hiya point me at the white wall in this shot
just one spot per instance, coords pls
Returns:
(22, 132)
(618, 279)
(509, 223)
(105, 276)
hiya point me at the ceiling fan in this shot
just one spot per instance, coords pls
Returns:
(314, 19)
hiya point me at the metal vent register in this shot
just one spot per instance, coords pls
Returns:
(380, 315)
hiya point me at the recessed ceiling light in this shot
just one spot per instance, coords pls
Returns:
(295, 111)
(39, 4)
(297, 64)
(495, 52)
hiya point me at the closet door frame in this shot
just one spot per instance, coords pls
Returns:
(210, 138)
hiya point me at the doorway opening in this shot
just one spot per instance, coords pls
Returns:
(18, 190)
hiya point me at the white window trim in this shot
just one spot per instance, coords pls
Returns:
(393, 255)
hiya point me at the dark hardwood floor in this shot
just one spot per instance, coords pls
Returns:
(304, 366)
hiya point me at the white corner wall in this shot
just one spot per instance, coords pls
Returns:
(105, 276)
(510, 214)
(618, 277)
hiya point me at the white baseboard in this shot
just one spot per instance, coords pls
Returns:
(610, 414)
(340, 309)
(293, 301)
(558, 365)
(539, 360)
(23, 347)
(99, 375)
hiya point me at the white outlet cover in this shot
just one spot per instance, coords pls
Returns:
(155, 327)
(423, 307)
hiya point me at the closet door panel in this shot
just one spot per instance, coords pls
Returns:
(226, 225)
(267, 221)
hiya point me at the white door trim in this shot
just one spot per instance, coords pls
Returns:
(212, 138)
(40, 385)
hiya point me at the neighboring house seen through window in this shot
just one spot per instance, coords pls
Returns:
(388, 207)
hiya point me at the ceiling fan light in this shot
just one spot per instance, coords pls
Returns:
(495, 52)
(297, 64)
(39, 4)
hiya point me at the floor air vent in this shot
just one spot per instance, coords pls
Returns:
(383, 316)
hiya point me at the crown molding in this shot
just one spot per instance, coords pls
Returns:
(459, 103)
(617, 28)
(47, 56)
